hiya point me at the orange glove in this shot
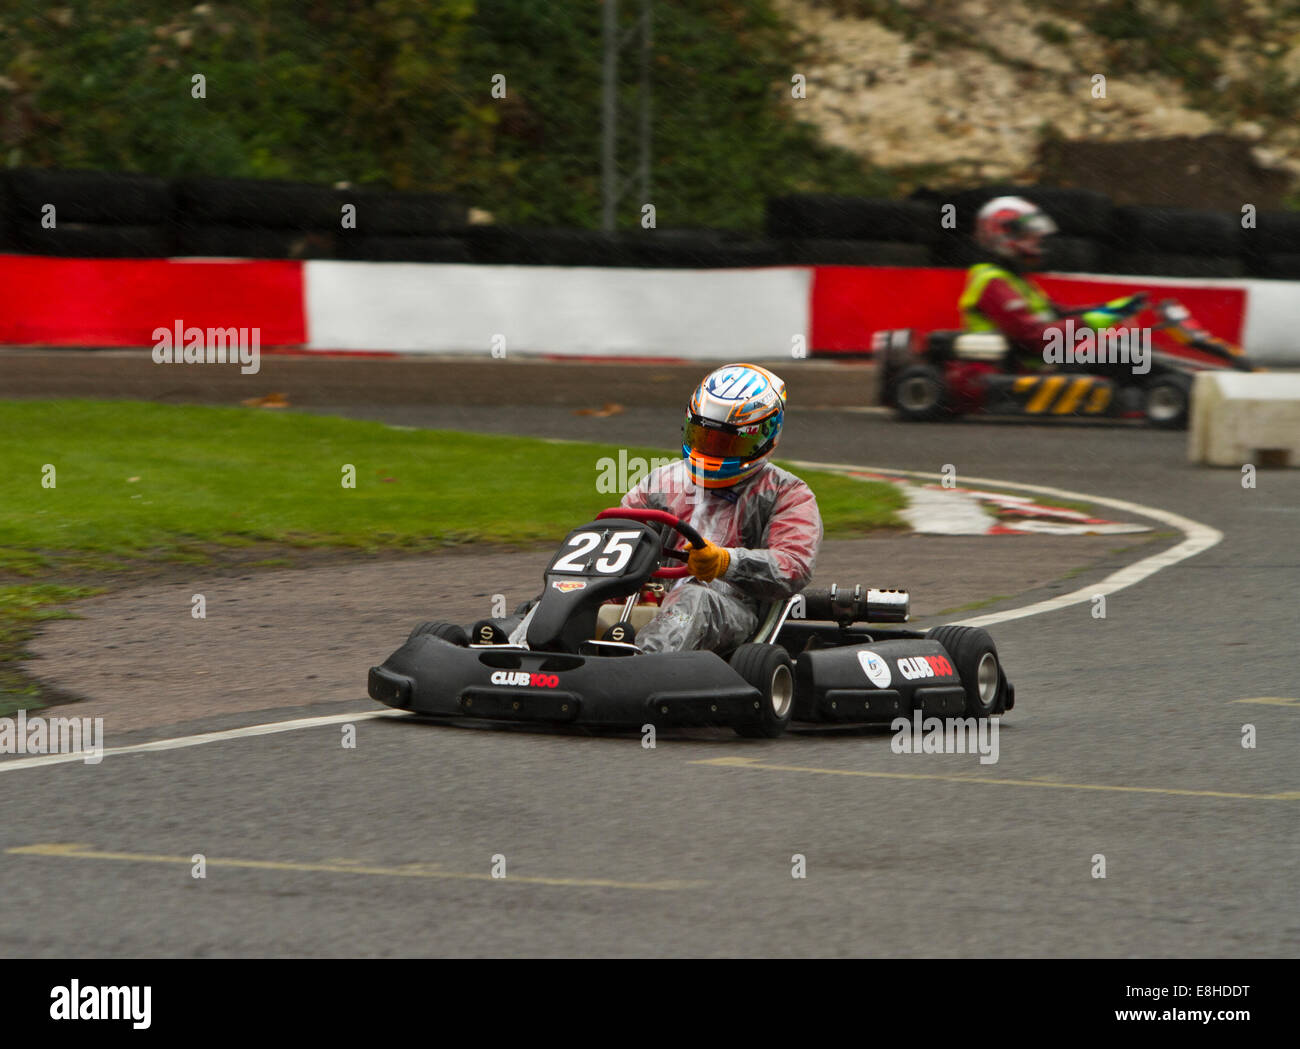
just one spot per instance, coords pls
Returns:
(707, 563)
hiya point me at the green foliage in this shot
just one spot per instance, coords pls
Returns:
(399, 92)
(1052, 33)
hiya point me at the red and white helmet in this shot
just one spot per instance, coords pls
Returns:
(1013, 228)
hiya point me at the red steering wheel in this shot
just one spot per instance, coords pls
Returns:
(665, 518)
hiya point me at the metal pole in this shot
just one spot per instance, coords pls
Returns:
(609, 119)
(644, 92)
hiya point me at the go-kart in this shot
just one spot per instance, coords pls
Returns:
(812, 658)
(945, 374)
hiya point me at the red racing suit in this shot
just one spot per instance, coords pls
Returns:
(770, 526)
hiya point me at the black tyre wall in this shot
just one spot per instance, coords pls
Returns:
(827, 217)
(75, 240)
(855, 253)
(241, 243)
(81, 197)
(258, 203)
(402, 249)
(1177, 231)
(1285, 266)
(1161, 264)
(390, 213)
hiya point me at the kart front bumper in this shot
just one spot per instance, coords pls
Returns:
(430, 676)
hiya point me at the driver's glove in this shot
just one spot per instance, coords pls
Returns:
(708, 562)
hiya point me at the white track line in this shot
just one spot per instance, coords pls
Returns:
(271, 728)
(1200, 537)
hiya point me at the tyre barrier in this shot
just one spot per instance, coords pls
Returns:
(1177, 231)
(106, 214)
(855, 253)
(75, 240)
(829, 217)
(402, 249)
(1243, 418)
(93, 197)
(1164, 264)
(238, 242)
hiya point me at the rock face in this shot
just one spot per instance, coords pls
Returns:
(975, 87)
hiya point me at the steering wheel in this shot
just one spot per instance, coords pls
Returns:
(665, 518)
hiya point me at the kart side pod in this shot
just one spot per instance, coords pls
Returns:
(877, 682)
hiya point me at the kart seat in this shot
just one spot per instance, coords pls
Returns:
(610, 614)
(980, 346)
(769, 613)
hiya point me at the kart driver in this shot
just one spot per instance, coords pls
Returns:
(761, 526)
(999, 296)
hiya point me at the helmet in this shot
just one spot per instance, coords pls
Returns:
(732, 424)
(1013, 228)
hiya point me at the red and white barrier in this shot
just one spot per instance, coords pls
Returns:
(568, 311)
(120, 302)
(583, 311)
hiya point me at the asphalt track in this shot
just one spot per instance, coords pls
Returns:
(1126, 743)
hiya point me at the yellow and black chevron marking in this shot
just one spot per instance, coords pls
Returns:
(1062, 395)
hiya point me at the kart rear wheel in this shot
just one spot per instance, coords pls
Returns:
(920, 394)
(768, 669)
(975, 658)
(1167, 401)
(453, 632)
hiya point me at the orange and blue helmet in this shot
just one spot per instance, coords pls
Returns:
(733, 423)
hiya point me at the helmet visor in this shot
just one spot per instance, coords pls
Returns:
(1034, 224)
(725, 441)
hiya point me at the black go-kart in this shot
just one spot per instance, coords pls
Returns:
(816, 657)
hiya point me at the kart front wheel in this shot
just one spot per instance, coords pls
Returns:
(975, 658)
(920, 394)
(768, 669)
(452, 632)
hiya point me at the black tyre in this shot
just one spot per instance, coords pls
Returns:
(1178, 231)
(1285, 265)
(694, 249)
(453, 632)
(975, 658)
(892, 360)
(238, 242)
(1167, 400)
(768, 669)
(258, 204)
(855, 253)
(84, 241)
(529, 246)
(1163, 264)
(827, 216)
(382, 212)
(90, 197)
(920, 394)
(402, 249)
